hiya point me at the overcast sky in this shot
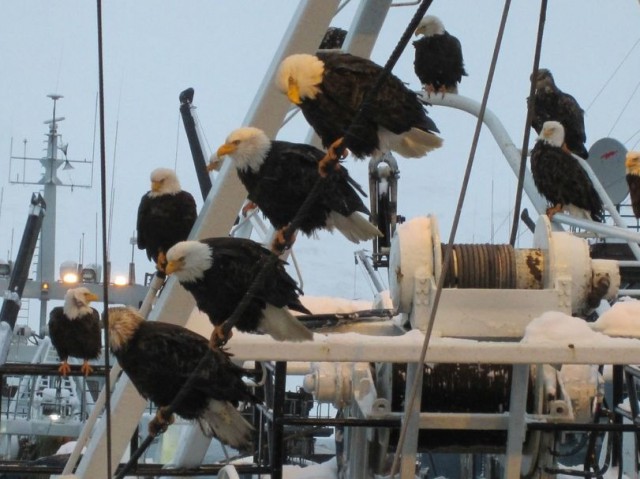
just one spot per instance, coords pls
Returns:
(155, 49)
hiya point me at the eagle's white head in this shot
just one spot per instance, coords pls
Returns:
(632, 163)
(123, 323)
(552, 133)
(247, 146)
(429, 26)
(164, 182)
(299, 77)
(189, 260)
(76, 302)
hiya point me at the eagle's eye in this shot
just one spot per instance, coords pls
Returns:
(235, 142)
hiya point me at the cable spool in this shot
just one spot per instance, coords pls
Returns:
(459, 388)
(482, 266)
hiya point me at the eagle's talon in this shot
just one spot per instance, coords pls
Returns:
(280, 241)
(161, 263)
(64, 368)
(552, 210)
(331, 158)
(249, 206)
(86, 368)
(218, 337)
(161, 422)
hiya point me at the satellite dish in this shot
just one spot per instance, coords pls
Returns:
(606, 159)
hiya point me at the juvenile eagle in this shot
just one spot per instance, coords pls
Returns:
(560, 178)
(438, 61)
(329, 88)
(552, 104)
(166, 215)
(632, 165)
(160, 357)
(279, 175)
(219, 271)
(75, 330)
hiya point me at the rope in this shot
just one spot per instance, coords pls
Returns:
(624, 108)
(612, 75)
(105, 259)
(527, 124)
(411, 399)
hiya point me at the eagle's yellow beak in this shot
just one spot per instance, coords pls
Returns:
(293, 92)
(172, 266)
(215, 162)
(155, 185)
(226, 149)
(91, 297)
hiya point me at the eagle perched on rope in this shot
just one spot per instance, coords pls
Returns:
(219, 271)
(329, 88)
(166, 215)
(279, 176)
(74, 329)
(159, 359)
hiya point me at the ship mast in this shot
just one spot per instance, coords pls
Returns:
(50, 180)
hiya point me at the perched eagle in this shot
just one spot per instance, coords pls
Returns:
(329, 88)
(160, 357)
(632, 164)
(219, 271)
(279, 176)
(560, 178)
(552, 104)
(165, 216)
(438, 61)
(75, 329)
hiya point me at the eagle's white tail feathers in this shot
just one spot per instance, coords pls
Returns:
(576, 211)
(416, 143)
(354, 227)
(280, 324)
(225, 422)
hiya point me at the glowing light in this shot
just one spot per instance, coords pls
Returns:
(54, 417)
(120, 280)
(70, 278)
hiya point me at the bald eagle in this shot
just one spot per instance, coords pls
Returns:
(166, 215)
(329, 88)
(438, 61)
(632, 165)
(219, 271)
(560, 178)
(552, 104)
(159, 359)
(75, 330)
(279, 175)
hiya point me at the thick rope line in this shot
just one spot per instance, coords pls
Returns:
(527, 124)
(105, 259)
(411, 399)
